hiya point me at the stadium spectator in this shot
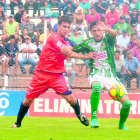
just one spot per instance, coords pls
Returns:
(40, 26)
(55, 27)
(76, 37)
(11, 52)
(102, 7)
(69, 10)
(122, 42)
(133, 18)
(70, 70)
(138, 29)
(92, 16)
(120, 1)
(85, 5)
(14, 3)
(62, 5)
(54, 3)
(10, 28)
(27, 4)
(23, 36)
(87, 65)
(132, 67)
(3, 17)
(132, 5)
(112, 16)
(28, 56)
(20, 15)
(42, 38)
(121, 25)
(36, 7)
(125, 11)
(120, 66)
(79, 20)
(136, 51)
(3, 3)
(47, 12)
(2, 60)
(133, 28)
(137, 6)
(133, 41)
(105, 20)
(30, 26)
(117, 4)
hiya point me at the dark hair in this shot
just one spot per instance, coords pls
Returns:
(27, 38)
(93, 24)
(92, 8)
(134, 34)
(69, 2)
(117, 51)
(64, 19)
(12, 37)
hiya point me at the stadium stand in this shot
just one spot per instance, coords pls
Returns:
(20, 81)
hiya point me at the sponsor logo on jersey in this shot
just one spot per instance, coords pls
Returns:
(59, 43)
(102, 56)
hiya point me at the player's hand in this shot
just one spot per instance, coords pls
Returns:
(92, 55)
(101, 26)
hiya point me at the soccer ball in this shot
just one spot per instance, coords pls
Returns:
(116, 92)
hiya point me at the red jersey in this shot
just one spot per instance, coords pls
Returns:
(51, 58)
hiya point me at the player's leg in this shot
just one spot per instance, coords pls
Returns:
(37, 87)
(95, 97)
(61, 87)
(124, 112)
(22, 111)
(123, 99)
(69, 97)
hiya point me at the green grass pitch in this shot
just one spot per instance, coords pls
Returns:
(35, 128)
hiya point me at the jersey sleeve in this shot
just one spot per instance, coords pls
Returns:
(81, 47)
(111, 40)
(57, 42)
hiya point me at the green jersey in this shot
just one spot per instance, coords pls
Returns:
(104, 64)
(119, 27)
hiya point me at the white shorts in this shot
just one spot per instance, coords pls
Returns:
(3, 59)
(106, 82)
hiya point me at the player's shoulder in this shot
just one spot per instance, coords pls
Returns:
(54, 36)
(87, 40)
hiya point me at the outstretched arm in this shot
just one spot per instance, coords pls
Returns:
(68, 51)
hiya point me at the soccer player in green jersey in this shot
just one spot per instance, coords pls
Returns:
(102, 69)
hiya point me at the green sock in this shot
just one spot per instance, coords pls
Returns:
(124, 113)
(95, 97)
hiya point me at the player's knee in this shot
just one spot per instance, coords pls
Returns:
(28, 102)
(97, 88)
(127, 104)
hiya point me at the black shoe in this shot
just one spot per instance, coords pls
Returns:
(83, 120)
(15, 126)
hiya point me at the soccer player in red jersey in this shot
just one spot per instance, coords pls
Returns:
(50, 69)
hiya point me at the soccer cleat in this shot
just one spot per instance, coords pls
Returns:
(15, 126)
(124, 128)
(94, 123)
(84, 120)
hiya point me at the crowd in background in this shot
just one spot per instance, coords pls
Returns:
(23, 40)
